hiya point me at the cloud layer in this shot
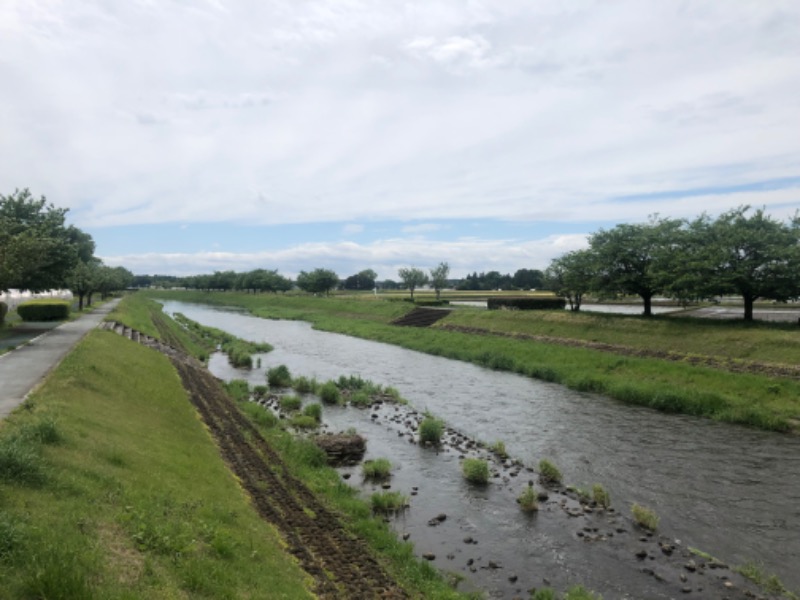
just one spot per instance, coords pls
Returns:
(348, 111)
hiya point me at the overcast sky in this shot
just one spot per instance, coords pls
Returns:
(189, 136)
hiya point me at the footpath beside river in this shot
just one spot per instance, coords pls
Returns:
(22, 369)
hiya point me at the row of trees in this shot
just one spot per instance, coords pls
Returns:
(738, 253)
(39, 251)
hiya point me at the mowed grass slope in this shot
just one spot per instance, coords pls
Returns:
(110, 487)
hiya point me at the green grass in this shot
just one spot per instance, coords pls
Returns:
(290, 403)
(378, 469)
(681, 387)
(644, 517)
(279, 377)
(329, 393)
(430, 430)
(768, 582)
(475, 470)
(305, 385)
(304, 422)
(601, 495)
(314, 411)
(240, 352)
(116, 445)
(388, 502)
(528, 500)
(549, 473)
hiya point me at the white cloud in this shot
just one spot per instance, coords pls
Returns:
(344, 111)
(352, 228)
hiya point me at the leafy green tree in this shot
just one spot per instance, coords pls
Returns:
(412, 278)
(528, 279)
(318, 281)
(632, 259)
(439, 276)
(753, 256)
(571, 276)
(363, 280)
(84, 279)
(37, 250)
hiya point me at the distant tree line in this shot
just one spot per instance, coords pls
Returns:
(740, 253)
(40, 252)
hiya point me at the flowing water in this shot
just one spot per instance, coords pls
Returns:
(730, 491)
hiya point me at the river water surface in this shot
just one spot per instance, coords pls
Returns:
(730, 491)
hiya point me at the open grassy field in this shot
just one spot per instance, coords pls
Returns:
(758, 400)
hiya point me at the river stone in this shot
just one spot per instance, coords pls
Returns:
(429, 556)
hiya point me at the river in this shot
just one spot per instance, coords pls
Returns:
(730, 491)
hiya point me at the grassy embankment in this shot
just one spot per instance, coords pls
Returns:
(112, 488)
(761, 401)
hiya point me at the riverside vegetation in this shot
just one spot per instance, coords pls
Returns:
(722, 388)
(102, 499)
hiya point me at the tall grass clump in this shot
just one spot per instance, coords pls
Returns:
(279, 377)
(314, 411)
(388, 502)
(11, 536)
(377, 469)
(290, 403)
(329, 393)
(304, 422)
(549, 473)
(499, 448)
(770, 583)
(528, 500)
(305, 385)
(238, 389)
(475, 470)
(644, 517)
(259, 415)
(601, 496)
(431, 430)
(360, 399)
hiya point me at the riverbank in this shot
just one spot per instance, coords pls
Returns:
(763, 400)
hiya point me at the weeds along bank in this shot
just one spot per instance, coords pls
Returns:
(112, 488)
(757, 400)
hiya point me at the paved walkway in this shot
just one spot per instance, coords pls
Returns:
(23, 369)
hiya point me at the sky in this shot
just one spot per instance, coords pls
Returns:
(188, 136)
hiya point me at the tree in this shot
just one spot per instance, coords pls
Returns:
(412, 278)
(631, 259)
(528, 279)
(439, 276)
(363, 280)
(753, 256)
(318, 281)
(570, 276)
(37, 251)
(83, 279)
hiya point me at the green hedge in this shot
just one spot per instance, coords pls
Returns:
(526, 303)
(44, 310)
(3, 312)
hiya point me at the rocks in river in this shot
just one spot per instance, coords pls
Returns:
(429, 556)
(342, 448)
(440, 518)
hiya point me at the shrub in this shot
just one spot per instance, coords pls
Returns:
(290, 403)
(329, 393)
(314, 411)
(43, 310)
(527, 303)
(430, 430)
(528, 500)
(645, 517)
(304, 385)
(388, 502)
(601, 495)
(279, 377)
(377, 469)
(548, 472)
(475, 470)
(3, 312)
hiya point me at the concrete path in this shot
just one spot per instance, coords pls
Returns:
(23, 369)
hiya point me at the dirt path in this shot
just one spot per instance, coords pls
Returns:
(715, 362)
(341, 565)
